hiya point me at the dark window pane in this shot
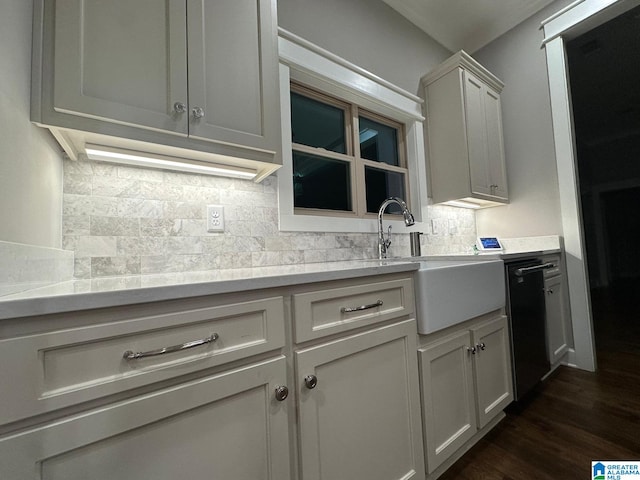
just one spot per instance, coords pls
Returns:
(378, 142)
(381, 185)
(320, 182)
(317, 124)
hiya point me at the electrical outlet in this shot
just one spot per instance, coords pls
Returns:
(215, 218)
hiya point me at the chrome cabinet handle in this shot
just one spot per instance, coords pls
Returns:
(197, 112)
(282, 393)
(471, 350)
(361, 307)
(481, 346)
(536, 268)
(131, 355)
(179, 107)
(310, 381)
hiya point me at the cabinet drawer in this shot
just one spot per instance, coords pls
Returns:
(66, 367)
(334, 310)
(555, 270)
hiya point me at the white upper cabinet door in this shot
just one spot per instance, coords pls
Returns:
(122, 61)
(233, 88)
(484, 138)
(495, 144)
(474, 91)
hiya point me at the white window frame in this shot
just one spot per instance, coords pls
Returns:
(317, 68)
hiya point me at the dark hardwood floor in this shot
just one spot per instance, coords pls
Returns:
(575, 416)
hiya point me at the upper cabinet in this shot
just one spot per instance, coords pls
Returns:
(187, 78)
(464, 134)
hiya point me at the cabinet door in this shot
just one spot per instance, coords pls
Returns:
(226, 426)
(495, 144)
(362, 419)
(484, 138)
(122, 61)
(557, 334)
(492, 362)
(233, 72)
(448, 397)
(474, 93)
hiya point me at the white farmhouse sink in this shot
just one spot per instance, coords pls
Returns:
(452, 291)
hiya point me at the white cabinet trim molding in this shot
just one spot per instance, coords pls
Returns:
(305, 57)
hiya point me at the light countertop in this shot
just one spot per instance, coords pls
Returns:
(75, 295)
(126, 290)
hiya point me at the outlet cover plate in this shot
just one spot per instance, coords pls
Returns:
(215, 218)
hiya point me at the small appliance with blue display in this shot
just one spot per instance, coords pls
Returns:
(489, 244)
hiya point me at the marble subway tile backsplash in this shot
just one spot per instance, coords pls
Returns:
(121, 220)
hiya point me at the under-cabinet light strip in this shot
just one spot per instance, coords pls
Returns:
(461, 204)
(132, 157)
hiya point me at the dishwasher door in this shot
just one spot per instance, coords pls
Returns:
(527, 317)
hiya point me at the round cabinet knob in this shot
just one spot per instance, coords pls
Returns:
(481, 346)
(179, 107)
(282, 392)
(197, 112)
(471, 350)
(310, 381)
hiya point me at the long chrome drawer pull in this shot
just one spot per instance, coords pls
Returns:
(361, 307)
(130, 355)
(525, 270)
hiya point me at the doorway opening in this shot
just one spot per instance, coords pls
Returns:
(602, 66)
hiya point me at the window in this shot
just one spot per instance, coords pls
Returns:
(332, 99)
(346, 160)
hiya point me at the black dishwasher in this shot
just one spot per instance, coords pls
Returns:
(527, 318)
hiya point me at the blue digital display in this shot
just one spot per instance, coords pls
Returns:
(490, 243)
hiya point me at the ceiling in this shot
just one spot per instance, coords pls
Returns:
(463, 24)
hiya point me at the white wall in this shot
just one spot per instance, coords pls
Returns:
(30, 160)
(517, 59)
(368, 33)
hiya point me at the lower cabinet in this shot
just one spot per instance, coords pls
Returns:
(466, 382)
(558, 328)
(359, 411)
(100, 400)
(227, 426)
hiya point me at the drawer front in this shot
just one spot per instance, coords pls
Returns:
(335, 310)
(555, 270)
(67, 367)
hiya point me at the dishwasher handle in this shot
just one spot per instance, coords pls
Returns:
(519, 272)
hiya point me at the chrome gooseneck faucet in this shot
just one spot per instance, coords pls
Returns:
(385, 243)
